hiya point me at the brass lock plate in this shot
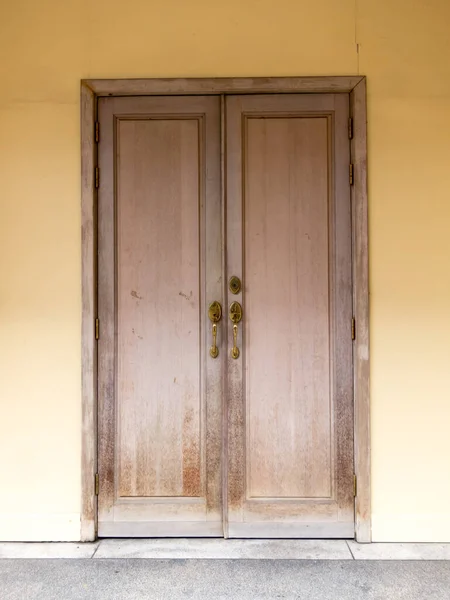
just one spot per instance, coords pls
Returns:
(215, 312)
(235, 312)
(235, 285)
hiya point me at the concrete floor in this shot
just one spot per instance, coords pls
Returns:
(226, 549)
(152, 579)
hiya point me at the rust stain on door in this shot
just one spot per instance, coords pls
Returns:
(191, 455)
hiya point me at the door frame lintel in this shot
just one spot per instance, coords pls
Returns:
(91, 90)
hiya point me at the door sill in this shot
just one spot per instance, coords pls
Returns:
(205, 549)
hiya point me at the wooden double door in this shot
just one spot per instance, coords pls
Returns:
(225, 394)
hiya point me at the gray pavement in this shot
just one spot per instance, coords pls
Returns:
(198, 548)
(156, 579)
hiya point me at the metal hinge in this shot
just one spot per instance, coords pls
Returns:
(353, 328)
(97, 329)
(350, 174)
(97, 131)
(97, 177)
(350, 128)
(96, 484)
(355, 486)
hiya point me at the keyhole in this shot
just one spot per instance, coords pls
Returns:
(235, 285)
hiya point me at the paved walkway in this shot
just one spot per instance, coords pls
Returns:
(132, 579)
(224, 569)
(227, 549)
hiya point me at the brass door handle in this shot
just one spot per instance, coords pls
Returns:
(214, 350)
(235, 350)
(214, 314)
(235, 317)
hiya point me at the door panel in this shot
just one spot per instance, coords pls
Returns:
(159, 265)
(290, 469)
(158, 309)
(286, 249)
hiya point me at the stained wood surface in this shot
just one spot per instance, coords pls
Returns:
(158, 308)
(361, 302)
(287, 346)
(89, 313)
(159, 396)
(222, 85)
(224, 329)
(277, 530)
(289, 237)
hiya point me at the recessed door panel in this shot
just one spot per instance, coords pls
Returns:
(286, 264)
(158, 309)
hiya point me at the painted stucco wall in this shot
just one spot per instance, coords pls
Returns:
(47, 46)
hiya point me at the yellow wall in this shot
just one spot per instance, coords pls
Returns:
(47, 46)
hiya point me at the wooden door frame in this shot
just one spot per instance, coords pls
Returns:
(91, 90)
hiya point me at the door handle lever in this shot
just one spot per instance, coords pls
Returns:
(214, 314)
(235, 317)
(214, 350)
(235, 350)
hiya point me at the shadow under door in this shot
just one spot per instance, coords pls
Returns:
(225, 394)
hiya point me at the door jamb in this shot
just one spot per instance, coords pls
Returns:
(91, 90)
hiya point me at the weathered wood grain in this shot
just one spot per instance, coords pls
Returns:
(361, 304)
